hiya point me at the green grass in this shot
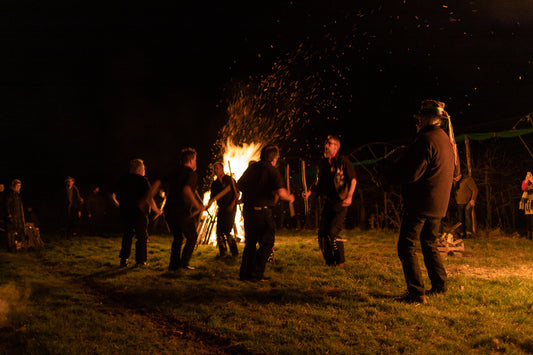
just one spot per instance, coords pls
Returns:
(71, 297)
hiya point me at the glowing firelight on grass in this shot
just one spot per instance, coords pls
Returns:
(239, 158)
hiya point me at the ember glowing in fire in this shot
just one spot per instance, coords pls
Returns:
(236, 158)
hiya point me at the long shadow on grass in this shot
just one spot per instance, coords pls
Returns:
(218, 296)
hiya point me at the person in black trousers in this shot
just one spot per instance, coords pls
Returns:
(182, 210)
(135, 198)
(261, 185)
(336, 181)
(425, 170)
(223, 191)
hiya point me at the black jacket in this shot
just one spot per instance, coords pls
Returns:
(426, 173)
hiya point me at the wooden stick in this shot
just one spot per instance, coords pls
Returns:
(235, 197)
(291, 206)
(304, 184)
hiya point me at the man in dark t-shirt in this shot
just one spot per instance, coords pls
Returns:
(135, 198)
(223, 191)
(336, 181)
(182, 208)
(260, 184)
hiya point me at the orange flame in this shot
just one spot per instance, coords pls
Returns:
(237, 158)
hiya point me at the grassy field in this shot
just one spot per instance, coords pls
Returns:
(72, 298)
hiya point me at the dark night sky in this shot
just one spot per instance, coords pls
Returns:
(87, 87)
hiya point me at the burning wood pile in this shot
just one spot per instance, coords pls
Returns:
(236, 159)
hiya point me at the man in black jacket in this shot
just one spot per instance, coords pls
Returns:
(425, 172)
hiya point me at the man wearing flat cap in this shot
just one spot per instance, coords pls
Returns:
(426, 172)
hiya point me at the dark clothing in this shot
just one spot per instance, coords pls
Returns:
(96, 213)
(178, 215)
(72, 204)
(427, 230)
(135, 226)
(182, 226)
(334, 178)
(426, 174)
(464, 215)
(225, 223)
(14, 212)
(176, 202)
(132, 192)
(226, 202)
(259, 227)
(158, 224)
(14, 217)
(331, 224)
(227, 209)
(259, 185)
(466, 190)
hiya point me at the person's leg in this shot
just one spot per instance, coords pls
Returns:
(221, 238)
(141, 232)
(432, 258)
(175, 251)
(251, 238)
(266, 244)
(129, 232)
(468, 219)
(324, 241)
(461, 230)
(191, 237)
(228, 226)
(336, 226)
(409, 233)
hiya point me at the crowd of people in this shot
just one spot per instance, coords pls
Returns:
(426, 169)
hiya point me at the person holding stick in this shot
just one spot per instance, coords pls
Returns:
(224, 192)
(336, 181)
(182, 208)
(135, 198)
(261, 185)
